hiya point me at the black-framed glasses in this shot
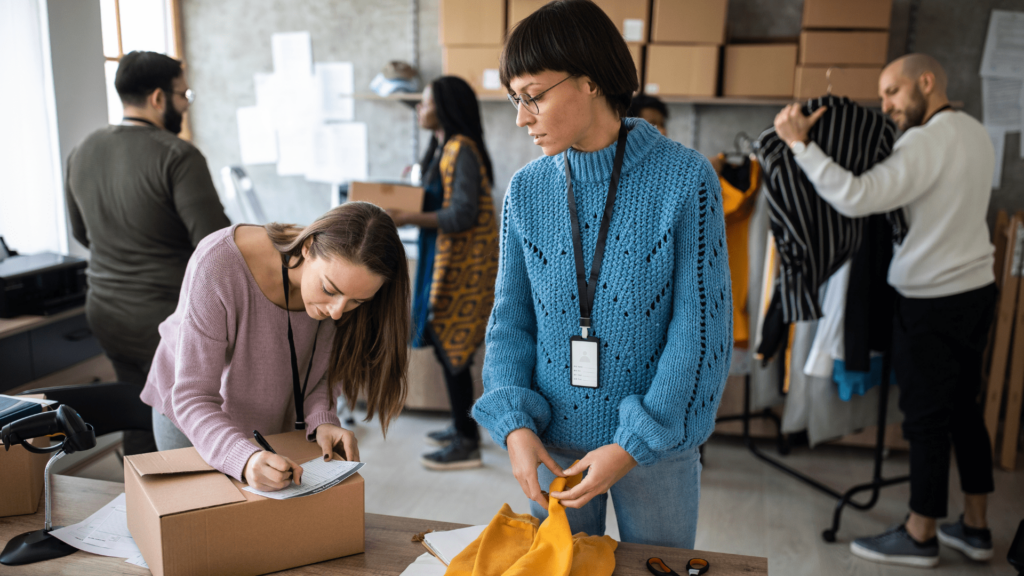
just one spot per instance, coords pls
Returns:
(531, 101)
(188, 95)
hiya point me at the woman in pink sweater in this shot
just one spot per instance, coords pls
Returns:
(240, 353)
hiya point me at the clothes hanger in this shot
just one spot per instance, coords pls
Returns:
(743, 148)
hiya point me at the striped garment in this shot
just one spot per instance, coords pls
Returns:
(813, 239)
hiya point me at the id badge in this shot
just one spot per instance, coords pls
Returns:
(584, 361)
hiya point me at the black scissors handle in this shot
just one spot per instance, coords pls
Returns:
(695, 566)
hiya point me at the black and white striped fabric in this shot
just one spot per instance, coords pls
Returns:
(813, 239)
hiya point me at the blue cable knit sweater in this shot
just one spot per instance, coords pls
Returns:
(663, 308)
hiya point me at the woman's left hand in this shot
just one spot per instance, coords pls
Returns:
(607, 465)
(333, 439)
(398, 216)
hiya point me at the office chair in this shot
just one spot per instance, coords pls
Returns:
(239, 187)
(109, 407)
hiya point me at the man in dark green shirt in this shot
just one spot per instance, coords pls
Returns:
(140, 199)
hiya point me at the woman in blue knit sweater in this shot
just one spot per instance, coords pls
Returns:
(661, 320)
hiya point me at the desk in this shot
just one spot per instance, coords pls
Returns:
(389, 549)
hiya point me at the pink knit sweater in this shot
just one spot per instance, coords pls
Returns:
(222, 368)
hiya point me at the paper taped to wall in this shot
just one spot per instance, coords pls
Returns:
(338, 153)
(334, 85)
(1004, 45)
(292, 53)
(1001, 101)
(257, 140)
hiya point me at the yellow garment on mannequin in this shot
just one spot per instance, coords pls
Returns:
(738, 207)
(520, 545)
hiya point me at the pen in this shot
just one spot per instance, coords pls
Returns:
(263, 442)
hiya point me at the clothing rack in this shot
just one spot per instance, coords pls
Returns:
(844, 498)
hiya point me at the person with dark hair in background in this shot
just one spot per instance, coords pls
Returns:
(458, 257)
(650, 108)
(611, 336)
(140, 199)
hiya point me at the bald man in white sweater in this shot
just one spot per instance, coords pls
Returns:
(940, 175)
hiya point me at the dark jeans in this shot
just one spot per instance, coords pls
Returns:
(134, 371)
(460, 393)
(938, 344)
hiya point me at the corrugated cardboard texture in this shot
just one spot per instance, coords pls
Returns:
(472, 22)
(619, 11)
(689, 21)
(477, 65)
(675, 70)
(854, 82)
(519, 9)
(170, 462)
(637, 52)
(143, 519)
(847, 14)
(387, 196)
(21, 475)
(858, 48)
(759, 70)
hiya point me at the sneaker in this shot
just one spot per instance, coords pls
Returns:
(460, 454)
(897, 547)
(975, 543)
(441, 438)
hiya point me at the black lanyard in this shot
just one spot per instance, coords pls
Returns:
(137, 119)
(300, 393)
(588, 289)
(946, 107)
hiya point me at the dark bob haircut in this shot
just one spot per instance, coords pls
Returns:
(642, 102)
(140, 73)
(576, 37)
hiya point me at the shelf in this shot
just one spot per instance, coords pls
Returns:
(696, 100)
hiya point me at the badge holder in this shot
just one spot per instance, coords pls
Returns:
(584, 355)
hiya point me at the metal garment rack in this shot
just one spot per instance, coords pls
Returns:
(844, 498)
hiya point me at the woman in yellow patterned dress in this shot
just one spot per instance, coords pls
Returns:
(458, 257)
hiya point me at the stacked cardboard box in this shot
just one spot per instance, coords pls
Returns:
(845, 45)
(759, 70)
(472, 33)
(686, 39)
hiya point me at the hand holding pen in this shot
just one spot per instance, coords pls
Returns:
(267, 471)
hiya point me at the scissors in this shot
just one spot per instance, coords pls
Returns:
(694, 567)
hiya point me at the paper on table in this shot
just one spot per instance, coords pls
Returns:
(998, 137)
(1001, 102)
(425, 565)
(257, 139)
(1004, 45)
(105, 532)
(448, 544)
(292, 53)
(334, 80)
(317, 476)
(138, 560)
(338, 153)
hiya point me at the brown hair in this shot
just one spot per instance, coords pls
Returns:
(369, 352)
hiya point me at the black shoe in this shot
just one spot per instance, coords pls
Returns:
(460, 454)
(975, 543)
(441, 437)
(897, 547)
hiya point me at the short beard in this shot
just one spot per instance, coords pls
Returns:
(913, 115)
(172, 119)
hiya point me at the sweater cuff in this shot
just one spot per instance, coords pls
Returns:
(510, 423)
(236, 458)
(636, 447)
(317, 418)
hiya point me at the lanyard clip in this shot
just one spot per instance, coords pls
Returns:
(584, 326)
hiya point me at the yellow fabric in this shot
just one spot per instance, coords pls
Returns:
(520, 545)
(738, 207)
(465, 267)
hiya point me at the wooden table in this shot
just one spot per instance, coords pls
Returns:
(389, 549)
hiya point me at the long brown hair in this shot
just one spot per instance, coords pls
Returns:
(369, 353)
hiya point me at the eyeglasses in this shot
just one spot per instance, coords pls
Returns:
(531, 101)
(188, 95)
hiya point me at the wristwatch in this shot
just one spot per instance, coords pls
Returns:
(798, 147)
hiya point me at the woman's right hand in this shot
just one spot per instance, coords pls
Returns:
(526, 453)
(268, 472)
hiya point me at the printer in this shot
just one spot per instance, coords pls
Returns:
(43, 283)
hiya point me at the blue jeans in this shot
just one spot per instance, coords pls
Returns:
(654, 505)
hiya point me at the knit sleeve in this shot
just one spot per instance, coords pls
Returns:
(461, 213)
(678, 410)
(509, 402)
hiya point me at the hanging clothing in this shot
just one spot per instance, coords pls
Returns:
(740, 185)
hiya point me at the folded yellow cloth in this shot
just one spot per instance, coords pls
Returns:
(520, 545)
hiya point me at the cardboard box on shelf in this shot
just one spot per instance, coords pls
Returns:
(759, 70)
(477, 65)
(21, 476)
(188, 518)
(689, 21)
(629, 16)
(847, 14)
(854, 82)
(472, 22)
(637, 52)
(387, 196)
(679, 70)
(863, 48)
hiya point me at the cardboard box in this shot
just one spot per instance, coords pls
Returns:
(854, 82)
(759, 70)
(858, 48)
(849, 14)
(689, 21)
(477, 65)
(472, 22)
(21, 476)
(677, 70)
(637, 52)
(629, 16)
(387, 196)
(188, 518)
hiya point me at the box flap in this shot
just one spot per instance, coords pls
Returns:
(180, 480)
(169, 462)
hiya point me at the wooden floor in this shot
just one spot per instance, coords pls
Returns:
(747, 507)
